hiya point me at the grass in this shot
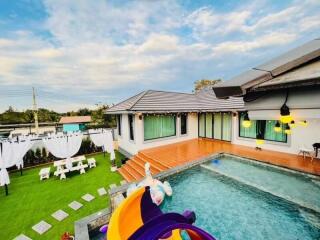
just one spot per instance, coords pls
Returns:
(31, 200)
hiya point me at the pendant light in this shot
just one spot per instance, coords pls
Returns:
(285, 111)
(277, 128)
(246, 123)
(287, 129)
(292, 124)
(259, 139)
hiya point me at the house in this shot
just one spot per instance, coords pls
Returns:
(74, 123)
(154, 118)
(285, 89)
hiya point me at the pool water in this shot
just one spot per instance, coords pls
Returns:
(229, 209)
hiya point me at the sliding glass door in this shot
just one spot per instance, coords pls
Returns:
(215, 126)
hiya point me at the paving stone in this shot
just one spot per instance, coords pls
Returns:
(102, 191)
(22, 237)
(123, 182)
(88, 197)
(112, 186)
(75, 205)
(60, 215)
(41, 227)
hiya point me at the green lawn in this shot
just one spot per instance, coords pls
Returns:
(31, 200)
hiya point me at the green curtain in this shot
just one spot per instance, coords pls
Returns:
(271, 135)
(227, 125)
(250, 132)
(202, 121)
(217, 126)
(159, 126)
(209, 125)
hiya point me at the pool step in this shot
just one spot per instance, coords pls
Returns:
(133, 169)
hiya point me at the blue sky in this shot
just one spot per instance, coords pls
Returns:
(82, 52)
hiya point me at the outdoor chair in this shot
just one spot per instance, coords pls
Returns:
(305, 151)
(91, 162)
(44, 173)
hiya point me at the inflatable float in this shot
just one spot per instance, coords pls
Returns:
(139, 218)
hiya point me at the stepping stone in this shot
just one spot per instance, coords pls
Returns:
(102, 191)
(112, 185)
(75, 205)
(123, 182)
(88, 197)
(41, 227)
(60, 215)
(22, 237)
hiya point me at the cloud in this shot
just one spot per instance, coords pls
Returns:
(123, 48)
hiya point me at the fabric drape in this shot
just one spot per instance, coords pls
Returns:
(12, 153)
(103, 138)
(159, 126)
(64, 146)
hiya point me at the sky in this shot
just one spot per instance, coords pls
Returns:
(80, 53)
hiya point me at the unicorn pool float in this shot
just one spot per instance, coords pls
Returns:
(139, 216)
(158, 190)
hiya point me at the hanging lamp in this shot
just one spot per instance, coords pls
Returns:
(287, 130)
(277, 128)
(285, 111)
(246, 123)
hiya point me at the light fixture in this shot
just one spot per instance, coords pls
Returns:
(246, 123)
(140, 116)
(292, 124)
(303, 123)
(259, 139)
(277, 128)
(285, 112)
(287, 130)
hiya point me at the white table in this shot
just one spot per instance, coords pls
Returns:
(62, 168)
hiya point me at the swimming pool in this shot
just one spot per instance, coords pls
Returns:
(236, 208)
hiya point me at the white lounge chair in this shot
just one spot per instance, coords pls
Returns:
(44, 173)
(92, 162)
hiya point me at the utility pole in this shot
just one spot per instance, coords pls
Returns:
(35, 111)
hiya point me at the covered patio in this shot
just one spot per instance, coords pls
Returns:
(172, 155)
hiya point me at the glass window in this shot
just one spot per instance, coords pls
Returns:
(226, 125)
(131, 126)
(183, 124)
(264, 127)
(159, 126)
(217, 125)
(202, 122)
(209, 125)
(119, 118)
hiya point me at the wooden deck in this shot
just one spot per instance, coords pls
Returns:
(172, 155)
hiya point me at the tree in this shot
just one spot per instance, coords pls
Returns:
(200, 84)
(38, 155)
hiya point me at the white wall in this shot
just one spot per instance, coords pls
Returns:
(301, 136)
(138, 144)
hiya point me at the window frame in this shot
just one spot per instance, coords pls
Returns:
(119, 121)
(269, 140)
(186, 124)
(131, 126)
(151, 139)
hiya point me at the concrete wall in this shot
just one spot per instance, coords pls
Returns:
(301, 137)
(138, 143)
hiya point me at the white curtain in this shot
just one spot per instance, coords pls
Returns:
(63, 146)
(12, 154)
(103, 138)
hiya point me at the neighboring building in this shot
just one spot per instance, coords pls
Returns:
(155, 118)
(74, 123)
(292, 79)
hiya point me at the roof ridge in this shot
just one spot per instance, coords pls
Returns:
(126, 99)
(139, 98)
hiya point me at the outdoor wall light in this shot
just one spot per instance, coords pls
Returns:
(287, 129)
(260, 139)
(277, 128)
(140, 116)
(246, 123)
(303, 123)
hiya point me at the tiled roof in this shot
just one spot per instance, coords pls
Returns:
(161, 101)
(266, 72)
(75, 119)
